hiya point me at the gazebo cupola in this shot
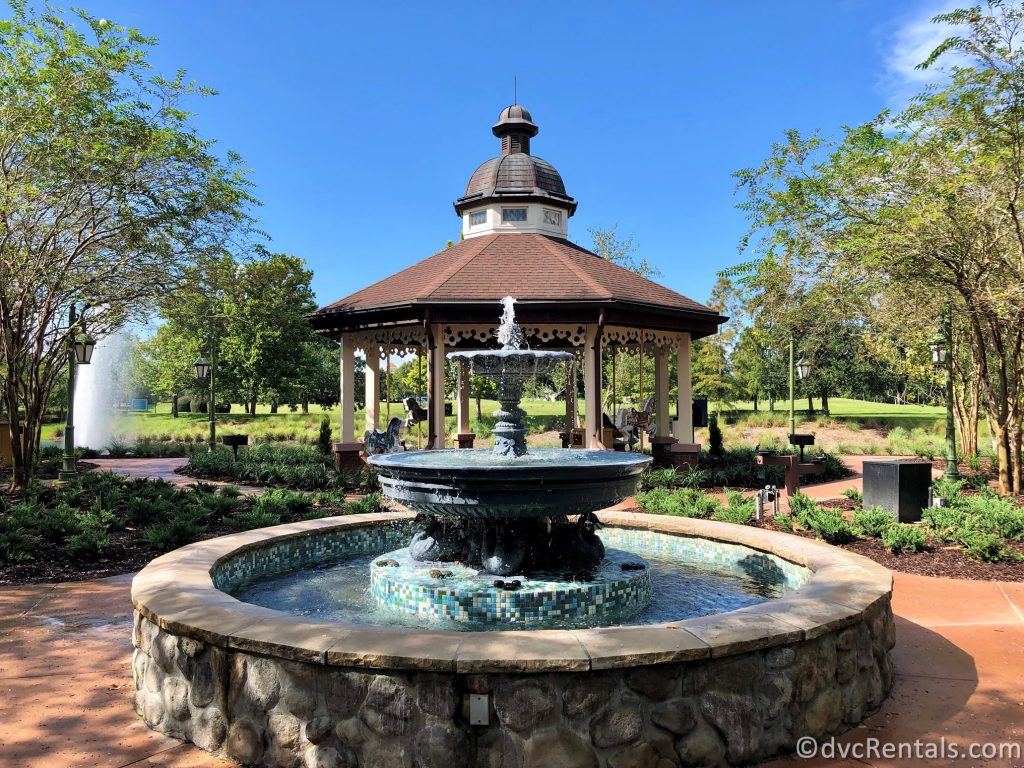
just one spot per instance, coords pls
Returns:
(515, 243)
(515, 192)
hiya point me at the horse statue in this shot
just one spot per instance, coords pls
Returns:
(385, 441)
(415, 413)
(629, 421)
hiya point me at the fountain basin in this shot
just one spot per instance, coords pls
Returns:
(464, 595)
(478, 484)
(235, 678)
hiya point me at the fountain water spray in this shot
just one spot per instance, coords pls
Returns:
(100, 387)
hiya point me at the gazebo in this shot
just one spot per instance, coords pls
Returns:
(515, 215)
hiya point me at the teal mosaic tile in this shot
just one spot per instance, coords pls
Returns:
(469, 596)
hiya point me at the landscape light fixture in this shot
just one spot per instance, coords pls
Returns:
(939, 350)
(84, 346)
(803, 369)
(202, 368)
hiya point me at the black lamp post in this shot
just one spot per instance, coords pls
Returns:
(80, 351)
(942, 346)
(801, 369)
(206, 368)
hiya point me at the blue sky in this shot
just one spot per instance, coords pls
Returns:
(362, 122)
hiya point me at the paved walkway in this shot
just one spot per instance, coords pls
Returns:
(160, 469)
(66, 685)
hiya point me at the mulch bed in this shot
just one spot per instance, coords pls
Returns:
(941, 560)
(843, 503)
(128, 552)
(944, 561)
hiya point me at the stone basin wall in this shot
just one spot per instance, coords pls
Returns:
(269, 711)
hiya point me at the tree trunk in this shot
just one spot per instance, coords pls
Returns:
(755, 402)
(824, 402)
(273, 405)
(479, 408)
(1002, 455)
(305, 403)
(810, 406)
(174, 406)
(771, 404)
(252, 406)
(1017, 473)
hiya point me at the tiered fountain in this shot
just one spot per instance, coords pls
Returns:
(674, 641)
(510, 512)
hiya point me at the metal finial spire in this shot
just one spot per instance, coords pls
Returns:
(515, 90)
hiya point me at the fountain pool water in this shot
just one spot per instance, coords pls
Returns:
(405, 594)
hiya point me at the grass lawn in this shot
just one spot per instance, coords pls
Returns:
(854, 426)
(843, 409)
(159, 425)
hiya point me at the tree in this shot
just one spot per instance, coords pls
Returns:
(749, 362)
(927, 201)
(607, 244)
(106, 192)
(165, 364)
(265, 324)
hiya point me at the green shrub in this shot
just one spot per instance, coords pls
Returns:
(54, 524)
(323, 440)
(740, 515)
(91, 540)
(801, 507)
(682, 502)
(16, 543)
(874, 521)
(945, 523)
(830, 525)
(986, 547)
(784, 521)
(230, 491)
(173, 533)
(715, 440)
(253, 518)
(692, 477)
(947, 490)
(659, 478)
(853, 494)
(371, 502)
(902, 537)
(294, 503)
(998, 515)
(216, 507)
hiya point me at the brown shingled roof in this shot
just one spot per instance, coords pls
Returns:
(531, 267)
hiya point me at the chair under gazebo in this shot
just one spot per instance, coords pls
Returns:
(514, 214)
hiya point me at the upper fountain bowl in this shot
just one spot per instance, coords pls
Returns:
(511, 363)
(546, 482)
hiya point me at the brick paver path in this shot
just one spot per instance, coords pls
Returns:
(159, 469)
(66, 684)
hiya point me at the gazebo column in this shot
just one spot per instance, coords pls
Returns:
(435, 388)
(465, 435)
(347, 452)
(571, 397)
(685, 452)
(592, 386)
(372, 387)
(661, 443)
(684, 419)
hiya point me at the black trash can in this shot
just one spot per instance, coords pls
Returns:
(899, 486)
